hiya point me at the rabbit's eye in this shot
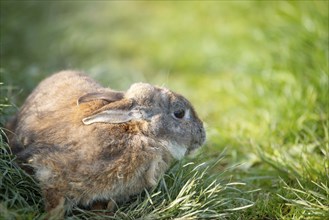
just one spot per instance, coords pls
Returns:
(179, 113)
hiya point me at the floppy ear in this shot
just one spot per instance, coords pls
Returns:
(109, 96)
(115, 112)
(113, 116)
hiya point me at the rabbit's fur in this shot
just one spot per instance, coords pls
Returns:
(89, 144)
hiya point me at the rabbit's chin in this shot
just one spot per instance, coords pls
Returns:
(177, 151)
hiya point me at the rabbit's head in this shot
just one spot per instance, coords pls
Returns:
(167, 117)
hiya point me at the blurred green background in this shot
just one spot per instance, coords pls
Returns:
(247, 66)
(256, 71)
(252, 69)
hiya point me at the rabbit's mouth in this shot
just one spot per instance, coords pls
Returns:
(178, 151)
(194, 147)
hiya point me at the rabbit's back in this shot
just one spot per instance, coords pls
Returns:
(58, 92)
(51, 111)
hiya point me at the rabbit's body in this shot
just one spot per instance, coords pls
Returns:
(89, 144)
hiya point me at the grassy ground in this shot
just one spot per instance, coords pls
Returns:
(257, 73)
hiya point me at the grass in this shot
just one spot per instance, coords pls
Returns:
(257, 73)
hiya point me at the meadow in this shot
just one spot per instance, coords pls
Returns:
(256, 72)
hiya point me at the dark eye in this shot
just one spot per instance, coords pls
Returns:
(179, 113)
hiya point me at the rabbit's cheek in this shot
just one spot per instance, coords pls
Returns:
(177, 151)
(155, 127)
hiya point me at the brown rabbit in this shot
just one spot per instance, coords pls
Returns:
(89, 144)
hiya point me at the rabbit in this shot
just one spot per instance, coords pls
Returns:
(88, 144)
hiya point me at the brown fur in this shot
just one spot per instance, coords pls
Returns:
(86, 164)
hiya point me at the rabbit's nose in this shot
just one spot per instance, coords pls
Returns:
(200, 138)
(203, 136)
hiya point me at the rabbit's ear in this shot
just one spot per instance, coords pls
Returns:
(109, 96)
(113, 116)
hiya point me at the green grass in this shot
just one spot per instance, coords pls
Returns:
(256, 71)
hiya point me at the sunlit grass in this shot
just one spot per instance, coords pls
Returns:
(188, 191)
(257, 73)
